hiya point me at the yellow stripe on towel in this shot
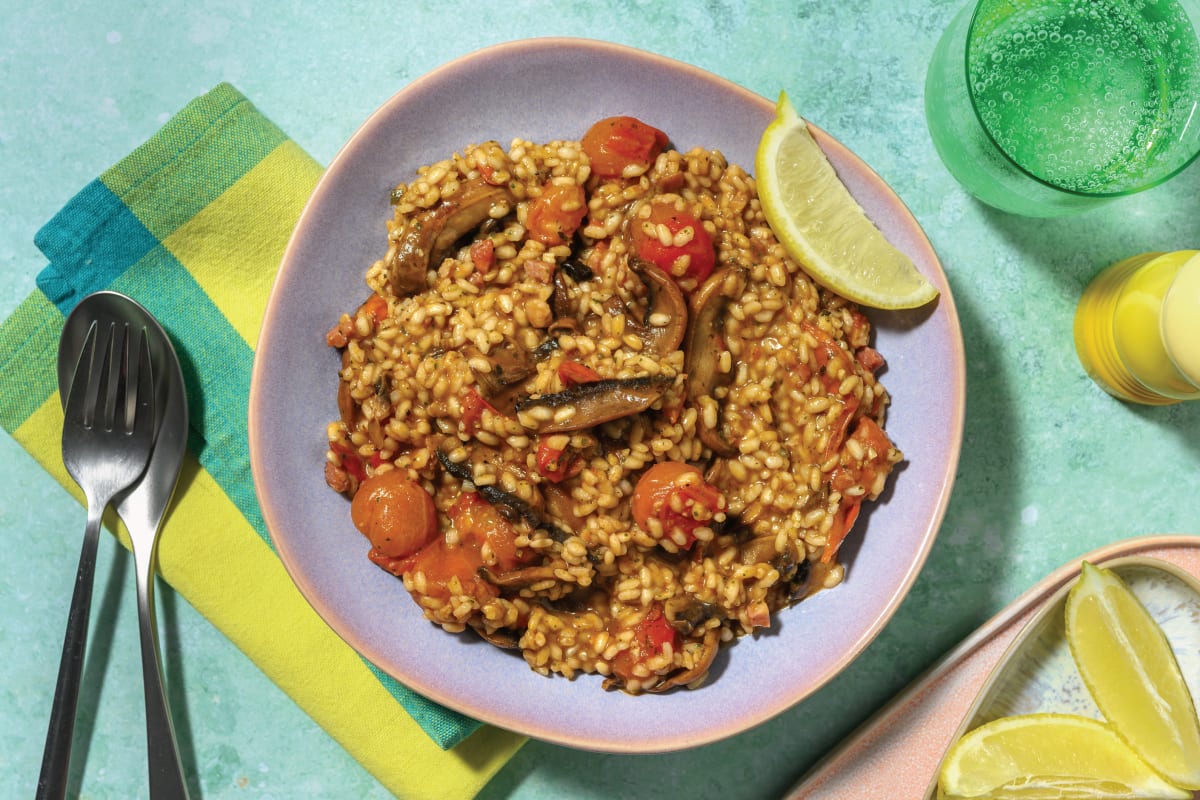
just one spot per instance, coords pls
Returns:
(213, 243)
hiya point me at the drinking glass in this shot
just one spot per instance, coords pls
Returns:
(1049, 107)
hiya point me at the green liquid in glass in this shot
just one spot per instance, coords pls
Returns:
(1050, 107)
(1081, 93)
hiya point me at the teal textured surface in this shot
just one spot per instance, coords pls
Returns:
(1051, 466)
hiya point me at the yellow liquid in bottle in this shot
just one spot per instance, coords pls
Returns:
(1119, 335)
(1181, 320)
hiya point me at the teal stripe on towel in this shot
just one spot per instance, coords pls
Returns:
(216, 364)
(89, 243)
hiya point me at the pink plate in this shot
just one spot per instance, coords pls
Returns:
(544, 89)
(898, 752)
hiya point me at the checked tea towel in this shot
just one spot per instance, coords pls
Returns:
(193, 225)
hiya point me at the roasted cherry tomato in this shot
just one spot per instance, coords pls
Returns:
(675, 242)
(677, 495)
(473, 405)
(875, 446)
(554, 463)
(843, 521)
(376, 306)
(556, 213)
(441, 564)
(478, 522)
(395, 513)
(650, 636)
(454, 568)
(616, 144)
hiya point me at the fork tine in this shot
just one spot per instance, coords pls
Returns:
(79, 409)
(116, 354)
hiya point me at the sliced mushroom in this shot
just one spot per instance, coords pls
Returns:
(521, 578)
(703, 347)
(560, 298)
(712, 643)
(589, 404)
(511, 364)
(560, 506)
(795, 571)
(759, 550)
(503, 638)
(800, 583)
(687, 614)
(430, 234)
(666, 302)
(577, 271)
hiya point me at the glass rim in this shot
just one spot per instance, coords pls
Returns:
(1141, 187)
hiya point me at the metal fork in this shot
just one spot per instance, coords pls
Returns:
(108, 433)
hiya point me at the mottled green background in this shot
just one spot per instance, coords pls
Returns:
(1051, 466)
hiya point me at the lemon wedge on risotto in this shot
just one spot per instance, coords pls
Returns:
(822, 226)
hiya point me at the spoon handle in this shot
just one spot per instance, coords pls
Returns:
(166, 771)
(56, 758)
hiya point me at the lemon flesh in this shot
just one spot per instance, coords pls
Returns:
(1042, 756)
(822, 226)
(1129, 668)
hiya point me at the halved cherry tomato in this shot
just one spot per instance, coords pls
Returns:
(876, 445)
(655, 490)
(833, 359)
(556, 213)
(614, 144)
(835, 364)
(869, 358)
(842, 523)
(473, 405)
(553, 463)
(345, 330)
(478, 522)
(395, 513)
(376, 306)
(442, 563)
(351, 461)
(650, 635)
(693, 258)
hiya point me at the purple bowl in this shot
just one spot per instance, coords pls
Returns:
(544, 89)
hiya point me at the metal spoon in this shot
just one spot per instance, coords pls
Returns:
(144, 507)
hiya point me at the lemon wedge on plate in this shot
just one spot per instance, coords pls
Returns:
(1043, 756)
(1128, 666)
(823, 227)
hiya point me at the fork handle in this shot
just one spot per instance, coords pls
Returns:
(56, 758)
(166, 771)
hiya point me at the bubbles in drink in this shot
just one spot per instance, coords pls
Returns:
(1079, 93)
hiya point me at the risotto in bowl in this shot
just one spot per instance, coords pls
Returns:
(586, 425)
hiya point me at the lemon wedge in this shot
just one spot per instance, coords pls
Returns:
(1128, 666)
(1042, 756)
(823, 227)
